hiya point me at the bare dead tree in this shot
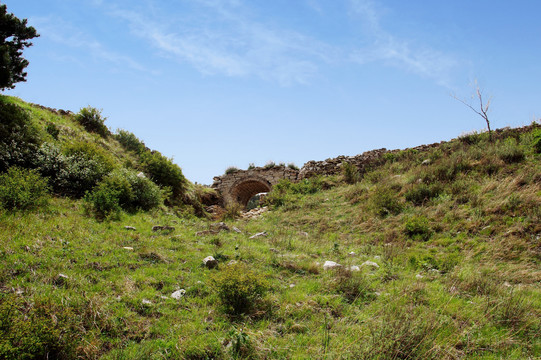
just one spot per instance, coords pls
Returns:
(483, 107)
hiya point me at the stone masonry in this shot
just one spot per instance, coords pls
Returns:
(240, 185)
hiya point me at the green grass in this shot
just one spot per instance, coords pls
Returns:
(461, 281)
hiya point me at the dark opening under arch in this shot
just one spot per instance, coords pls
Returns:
(243, 192)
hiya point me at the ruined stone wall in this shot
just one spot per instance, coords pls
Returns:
(240, 185)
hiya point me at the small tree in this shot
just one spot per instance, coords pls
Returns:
(14, 36)
(483, 107)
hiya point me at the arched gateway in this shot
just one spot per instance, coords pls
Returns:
(241, 185)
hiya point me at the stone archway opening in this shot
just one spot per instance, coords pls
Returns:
(243, 192)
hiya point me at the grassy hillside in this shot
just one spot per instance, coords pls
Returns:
(439, 250)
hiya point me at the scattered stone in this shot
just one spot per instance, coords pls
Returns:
(219, 226)
(162, 228)
(303, 233)
(210, 262)
(291, 286)
(352, 253)
(419, 276)
(236, 229)
(377, 257)
(370, 263)
(128, 248)
(178, 294)
(254, 213)
(426, 162)
(146, 302)
(141, 175)
(130, 228)
(264, 233)
(354, 268)
(232, 262)
(506, 284)
(330, 265)
(205, 232)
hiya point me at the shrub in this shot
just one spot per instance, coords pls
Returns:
(232, 211)
(352, 285)
(250, 166)
(421, 193)
(76, 170)
(35, 331)
(417, 228)
(292, 166)
(384, 202)
(510, 152)
(123, 189)
(239, 288)
(92, 120)
(129, 141)
(537, 141)
(19, 138)
(350, 173)
(231, 170)
(52, 130)
(165, 173)
(270, 165)
(22, 189)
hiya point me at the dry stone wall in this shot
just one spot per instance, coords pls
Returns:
(240, 185)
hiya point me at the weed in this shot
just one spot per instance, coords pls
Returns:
(92, 120)
(231, 170)
(510, 152)
(417, 228)
(239, 288)
(384, 202)
(350, 173)
(22, 189)
(421, 193)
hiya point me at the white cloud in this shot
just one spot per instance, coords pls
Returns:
(65, 33)
(392, 50)
(230, 43)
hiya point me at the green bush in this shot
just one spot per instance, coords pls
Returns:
(35, 330)
(22, 189)
(352, 285)
(76, 170)
(19, 138)
(417, 228)
(231, 170)
(292, 166)
(165, 173)
(123, 189)
(350, 173)
(511, 152)
(421, 193)
(52, 130)
(92, 120)
(129, 141)
(239, 288)
(537, 141)
(385, 202)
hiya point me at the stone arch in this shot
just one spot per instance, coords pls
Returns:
(245, 189)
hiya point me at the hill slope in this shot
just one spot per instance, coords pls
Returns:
(439, 253)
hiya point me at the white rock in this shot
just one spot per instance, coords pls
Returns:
(146, 302)
(352, 253)
(127, 248)
(291, 285)
(178, 294)
(236, 229)
(330, 265)
(377, 257)
(419, 276)
(370, 263)
(263, 233)
(354, 268)
(210, 262)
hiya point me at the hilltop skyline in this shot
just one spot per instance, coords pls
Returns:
(226, 83)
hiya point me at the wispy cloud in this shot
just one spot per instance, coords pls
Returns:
(69, 35)
(230, 43)
(404, 53)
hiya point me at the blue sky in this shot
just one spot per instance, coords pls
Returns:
(226, 83)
